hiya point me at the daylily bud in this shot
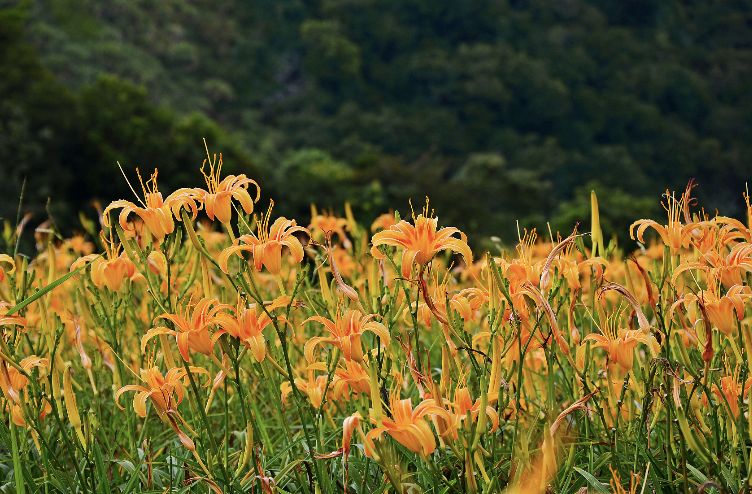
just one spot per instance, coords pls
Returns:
(597, 234)
(375, 394)
(70, 404)
(576, 338)
(248, 448)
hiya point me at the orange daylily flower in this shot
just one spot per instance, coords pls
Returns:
(463, 404)
(247, 324)
(218, 199)
(730, 389)
(192, 332)
(267, 247)
(347, 330)
(6, 320)
(12, 381)
(9, 260)
(729, 269)
(619, 343)
(675, 235)
(352, 375)
(161, 390)
(157, 212)
(109, 272)
(328, 224)
(408, 426)
(721, 309)
(313, 387)
(421, 242)
(384, 222)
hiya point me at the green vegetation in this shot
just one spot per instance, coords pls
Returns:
(499, 110)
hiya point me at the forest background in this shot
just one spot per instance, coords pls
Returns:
(499, 110)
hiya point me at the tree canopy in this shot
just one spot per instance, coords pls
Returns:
(499, 110)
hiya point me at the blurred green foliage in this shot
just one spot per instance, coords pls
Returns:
(499, 110)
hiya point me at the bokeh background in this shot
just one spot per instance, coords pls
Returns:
(499, 110)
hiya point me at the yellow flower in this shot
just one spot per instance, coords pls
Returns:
(157, 213)
(420, 242)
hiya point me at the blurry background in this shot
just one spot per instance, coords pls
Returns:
(499, 110)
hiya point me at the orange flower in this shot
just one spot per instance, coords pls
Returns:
(347, 330)
(408, 426)
(110, 272)
(730, 389)
(161, 390)
(354, 376)
(463, 404)
(720, 310)
(421, 242)
(218, 199)
(12, 381)
(675, 235)
(384, 222)
(313, 387)
(323, 224)
(9, 260)
(157, 213)
(247, 324)
(267, 247)
(620, 343)
(6, 320)
(729, 269)
(192, 332)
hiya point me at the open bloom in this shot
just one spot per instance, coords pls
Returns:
(9, 260)
(193, 331)
(408, 426)
(217, 199)
(731, 389)
(347, 330)
(247, 324)
(266, 248)
(675, 235)
(316, 388)
(721, 309)
(6, 320)
(420, 242)
(327, 224)
(730, 269)
(161, 390)
(12, 382)
(109, 272)
(157, 212)
(620, 343)
(463, 404)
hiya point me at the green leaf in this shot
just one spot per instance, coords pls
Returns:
(50, 287)
(698, 474)
(592, 481)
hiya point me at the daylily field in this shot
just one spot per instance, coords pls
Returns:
(196, 342)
